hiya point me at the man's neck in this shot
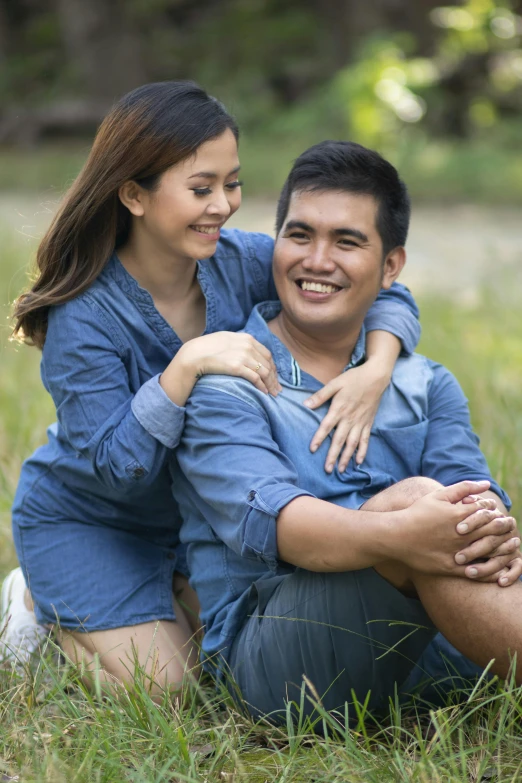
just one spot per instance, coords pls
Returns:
(322, 355)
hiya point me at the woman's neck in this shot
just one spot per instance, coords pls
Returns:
(165, 276)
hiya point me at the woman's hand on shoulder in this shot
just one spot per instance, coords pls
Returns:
(355, 396)
(221, 353)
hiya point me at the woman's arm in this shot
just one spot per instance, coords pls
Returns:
(125, 432)
(391, 325)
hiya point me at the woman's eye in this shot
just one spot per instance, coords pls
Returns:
(233, 185)
(202, 191)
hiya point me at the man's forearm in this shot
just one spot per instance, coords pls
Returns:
(320, 536)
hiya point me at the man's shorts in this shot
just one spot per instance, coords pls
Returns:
(349, 633)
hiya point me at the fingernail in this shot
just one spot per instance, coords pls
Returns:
(475, 497)
(329, 468)
(472, 572)
(460, 558)
(515, 541)
(504, 580)
(307, 403)
(462, 527)
(313, 448)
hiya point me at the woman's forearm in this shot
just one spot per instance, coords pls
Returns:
(382, 351)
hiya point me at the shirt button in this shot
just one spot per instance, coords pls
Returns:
(138, 472)
(251, 495)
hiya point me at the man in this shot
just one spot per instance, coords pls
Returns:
(343, 577)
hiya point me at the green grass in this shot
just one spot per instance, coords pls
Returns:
(52, 730)
(475, 172)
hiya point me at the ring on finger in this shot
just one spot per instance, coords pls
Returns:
(257, 367)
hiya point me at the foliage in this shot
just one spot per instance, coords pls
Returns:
(390, 85)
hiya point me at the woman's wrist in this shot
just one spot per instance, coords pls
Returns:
(179, 378)
(380, 372)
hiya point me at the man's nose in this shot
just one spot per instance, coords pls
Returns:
(318, 258)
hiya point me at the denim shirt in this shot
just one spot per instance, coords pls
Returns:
(245, 455)
(106, 457)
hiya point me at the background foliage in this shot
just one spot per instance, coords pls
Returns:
(437, 88)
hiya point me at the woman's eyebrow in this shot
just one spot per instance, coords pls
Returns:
(212, 174)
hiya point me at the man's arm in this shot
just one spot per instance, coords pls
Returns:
(451, 451)
(252, 499)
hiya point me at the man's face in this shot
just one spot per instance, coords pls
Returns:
(328, 261)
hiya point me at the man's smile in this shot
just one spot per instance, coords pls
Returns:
(317, 290)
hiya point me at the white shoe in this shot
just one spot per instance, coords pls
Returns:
(20, 634)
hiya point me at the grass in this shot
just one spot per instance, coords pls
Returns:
(52, 730)
(473, 172)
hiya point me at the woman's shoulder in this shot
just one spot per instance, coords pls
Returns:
(245, 245)
(90, 308)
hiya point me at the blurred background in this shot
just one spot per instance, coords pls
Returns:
(437, 89)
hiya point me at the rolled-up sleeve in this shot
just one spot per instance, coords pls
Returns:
(125, 435)
(239, 478)
(451, 451)
(396, 311)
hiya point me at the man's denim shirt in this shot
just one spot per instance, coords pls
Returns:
(103, 354)
(245, 455)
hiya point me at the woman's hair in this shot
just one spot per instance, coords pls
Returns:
(147, 131)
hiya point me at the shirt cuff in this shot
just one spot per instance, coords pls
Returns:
(260, 538)
(390, 317)
(156, 413)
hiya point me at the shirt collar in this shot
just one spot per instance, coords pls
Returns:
(287, 367)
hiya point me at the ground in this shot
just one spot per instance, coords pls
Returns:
(464, 271)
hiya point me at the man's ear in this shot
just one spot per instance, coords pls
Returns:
(393, 264)
(131, 196)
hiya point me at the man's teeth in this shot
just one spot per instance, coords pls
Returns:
(206, 229)
(318, 287)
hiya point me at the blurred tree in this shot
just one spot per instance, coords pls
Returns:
(380, 65)
(104, 44)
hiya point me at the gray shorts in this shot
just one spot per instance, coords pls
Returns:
(343, 631)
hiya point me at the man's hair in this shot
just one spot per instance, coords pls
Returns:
(346, 166)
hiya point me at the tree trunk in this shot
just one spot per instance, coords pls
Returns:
(104, 45)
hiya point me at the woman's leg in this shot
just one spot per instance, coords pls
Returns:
(165, 651)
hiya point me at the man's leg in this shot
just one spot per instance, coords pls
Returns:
(478, 618)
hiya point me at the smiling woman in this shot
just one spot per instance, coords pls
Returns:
(139, 292)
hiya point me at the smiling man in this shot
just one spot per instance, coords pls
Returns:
(300, 571)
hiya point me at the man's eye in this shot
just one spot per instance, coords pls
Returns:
(298, 235)
(202, 191)
(348, 243)
(233, 185)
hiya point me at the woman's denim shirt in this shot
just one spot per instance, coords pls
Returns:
(102, 358)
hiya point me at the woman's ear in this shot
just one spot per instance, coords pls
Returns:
(131, 196)
(393, 265)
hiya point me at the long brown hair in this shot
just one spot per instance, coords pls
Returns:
(147, 131)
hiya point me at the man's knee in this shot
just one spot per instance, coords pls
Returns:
(402, 494)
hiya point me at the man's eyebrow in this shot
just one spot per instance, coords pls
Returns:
(212, 174)
(353, 232)
(299, 224)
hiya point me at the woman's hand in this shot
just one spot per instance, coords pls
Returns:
(221, 353)
(355, 396)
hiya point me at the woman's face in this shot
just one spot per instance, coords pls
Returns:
(184, 214)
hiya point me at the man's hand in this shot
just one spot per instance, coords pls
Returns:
(504, 563)
(429, 541)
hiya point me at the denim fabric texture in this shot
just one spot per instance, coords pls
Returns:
(94, 521)
(244, 455)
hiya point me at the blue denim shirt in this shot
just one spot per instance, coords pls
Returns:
(106, 458)
(244, 455)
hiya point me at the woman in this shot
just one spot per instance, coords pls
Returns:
(127, 319)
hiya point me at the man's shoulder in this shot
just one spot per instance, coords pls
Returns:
(238, 388)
